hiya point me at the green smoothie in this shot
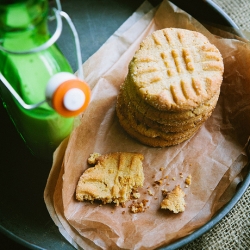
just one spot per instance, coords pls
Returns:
(23, 26)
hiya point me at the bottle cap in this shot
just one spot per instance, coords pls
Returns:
(67, 94)
(71, 98)
(74, 99)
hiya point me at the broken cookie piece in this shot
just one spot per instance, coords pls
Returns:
(174, 200)
(93, 158)
(188, 180)
(112, 179)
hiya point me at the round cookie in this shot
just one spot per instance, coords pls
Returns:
(167, 117)
(168, 128)
(176, 69)
(122, 109)
(153, 142)
(175, 127)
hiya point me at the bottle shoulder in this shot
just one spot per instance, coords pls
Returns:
(29, 74)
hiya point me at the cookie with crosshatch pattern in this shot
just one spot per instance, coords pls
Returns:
(146, 140)
(127, 106)
(176, 69)
(168, 121)
(167, 117)
(123, 110)
(112, 179)
(171, 88)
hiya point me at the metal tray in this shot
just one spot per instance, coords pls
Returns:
(24, 220)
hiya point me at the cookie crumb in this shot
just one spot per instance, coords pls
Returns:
(150, 192)
(93, 158)
(174, 200)
(138, 207)
(136, 195)
(188, 180)
(123, 205)
(158, 182)
(164, 192)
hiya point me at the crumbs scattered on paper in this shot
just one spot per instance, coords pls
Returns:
(138, 206)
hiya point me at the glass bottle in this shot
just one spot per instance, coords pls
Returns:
(23, 26)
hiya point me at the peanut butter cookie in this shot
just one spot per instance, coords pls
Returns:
(112, 179)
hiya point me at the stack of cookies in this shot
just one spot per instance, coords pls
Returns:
(171, 88)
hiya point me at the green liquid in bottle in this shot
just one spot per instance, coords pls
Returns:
(23, 26)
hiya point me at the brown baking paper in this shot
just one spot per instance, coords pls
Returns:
(214, 156)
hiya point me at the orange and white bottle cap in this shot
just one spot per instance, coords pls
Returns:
(68, 95)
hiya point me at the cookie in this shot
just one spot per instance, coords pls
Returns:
(174, 200)
(168, 117)
(112, 179)
(176, 69)
(170, 128)
(172, 125)
(151, 137)
(151, 128)
(151, 132)
(149, 141)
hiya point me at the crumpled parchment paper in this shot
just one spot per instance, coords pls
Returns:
(214, 156)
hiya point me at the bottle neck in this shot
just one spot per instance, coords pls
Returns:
(23, 24)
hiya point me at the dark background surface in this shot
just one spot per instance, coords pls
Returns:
(23, 214)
